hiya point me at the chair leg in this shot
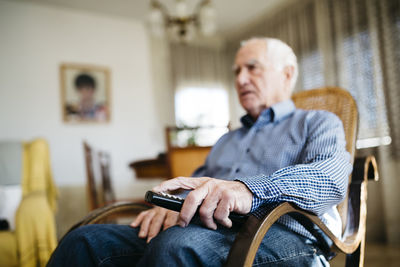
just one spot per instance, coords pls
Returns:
(356, 259)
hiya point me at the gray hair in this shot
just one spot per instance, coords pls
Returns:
(282, 55)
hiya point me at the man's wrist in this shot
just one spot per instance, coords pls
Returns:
(246, 198)
(262, 188)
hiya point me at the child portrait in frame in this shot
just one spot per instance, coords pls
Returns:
(85, 93)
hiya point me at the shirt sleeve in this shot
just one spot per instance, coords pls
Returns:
(320, 181)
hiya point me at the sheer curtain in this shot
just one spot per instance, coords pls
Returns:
(201, 95)
(354, 44)
(197, 66)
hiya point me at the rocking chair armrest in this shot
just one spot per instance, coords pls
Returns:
(249, 238)
(251, 234)
(100, 214)
(364, 168)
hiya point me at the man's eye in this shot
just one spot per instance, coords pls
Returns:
(252, 67)
(236, 71)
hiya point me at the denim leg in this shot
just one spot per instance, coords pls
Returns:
(282, 247)
(194, 245)
(199, 246)
(99, 245)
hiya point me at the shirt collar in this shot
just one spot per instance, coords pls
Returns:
(283, 109)
(276, 113)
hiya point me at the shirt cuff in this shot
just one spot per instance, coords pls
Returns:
(264, 191)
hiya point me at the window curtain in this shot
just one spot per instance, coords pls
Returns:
(354, 44)
(348, 43)
(197, 66)
(387, 14)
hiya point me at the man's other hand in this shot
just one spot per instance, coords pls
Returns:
(152, 220)
(216, 198)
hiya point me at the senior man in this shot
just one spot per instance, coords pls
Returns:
(279, 154)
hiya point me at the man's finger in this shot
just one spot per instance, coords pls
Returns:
(191, 204)
(221, 214)
(207, 209)
(138, 219)
(155, 225)
(179, 182)
(144, 226)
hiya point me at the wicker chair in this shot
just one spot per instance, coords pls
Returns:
(352, 210)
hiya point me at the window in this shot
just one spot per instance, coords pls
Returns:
(312, 77)
(206, 110)
(358, 73)
(364, 83)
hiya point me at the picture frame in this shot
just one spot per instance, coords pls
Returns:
(85, 93)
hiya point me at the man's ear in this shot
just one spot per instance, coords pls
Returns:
(288, 72)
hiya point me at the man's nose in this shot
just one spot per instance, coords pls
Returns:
(242, 77)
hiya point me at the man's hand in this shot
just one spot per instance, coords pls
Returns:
(216, 198)
(152, 220)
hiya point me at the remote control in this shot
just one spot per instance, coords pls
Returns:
(175, 203)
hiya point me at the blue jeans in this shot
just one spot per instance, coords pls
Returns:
(194, 245)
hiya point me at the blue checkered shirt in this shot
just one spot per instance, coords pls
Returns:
(287, 154)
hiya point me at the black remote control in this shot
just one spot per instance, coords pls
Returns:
(175, 203)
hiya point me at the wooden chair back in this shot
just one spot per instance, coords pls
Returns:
(341, 103)
(99, 188)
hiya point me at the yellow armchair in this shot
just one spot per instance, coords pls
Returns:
(34, 238)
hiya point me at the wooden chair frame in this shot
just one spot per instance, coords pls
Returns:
(249, 238)
(100, 191)
(353, 209)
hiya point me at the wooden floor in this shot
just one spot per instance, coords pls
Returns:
(376, 255)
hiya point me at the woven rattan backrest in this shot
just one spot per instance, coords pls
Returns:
(341, 103)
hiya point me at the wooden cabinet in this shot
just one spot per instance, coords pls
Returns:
(152, 168)
(177, 161)
(184, 161)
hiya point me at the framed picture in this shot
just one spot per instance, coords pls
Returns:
(85, 93)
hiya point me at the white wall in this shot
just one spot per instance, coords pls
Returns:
(34, 40)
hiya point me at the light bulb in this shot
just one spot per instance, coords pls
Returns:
(207, 20)
(181, 9)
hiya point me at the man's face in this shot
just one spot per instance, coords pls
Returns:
(259, 83)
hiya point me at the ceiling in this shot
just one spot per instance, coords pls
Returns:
(231, 14)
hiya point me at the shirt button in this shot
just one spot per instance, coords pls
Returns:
(248, 150)
(237, 170)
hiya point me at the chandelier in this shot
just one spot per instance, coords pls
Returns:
(182, 25)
